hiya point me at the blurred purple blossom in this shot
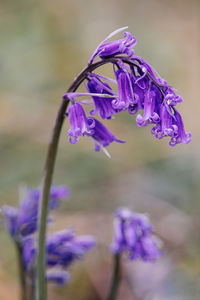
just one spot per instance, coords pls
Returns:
(62, 248)
(133, 235)
(22, 221)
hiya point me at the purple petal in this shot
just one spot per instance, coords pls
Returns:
(100, 134)
(78, 122)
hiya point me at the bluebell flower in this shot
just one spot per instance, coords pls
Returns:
(149, 115)
(101, 136)
(113, 48)
(78, 122)
(62, 249)
(171, 124)
(133, 234)
(22, 221)
(103, 106)
(123, 46)
(181, 136)
(125, 89)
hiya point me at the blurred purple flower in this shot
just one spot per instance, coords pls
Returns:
(22, 221)
(62, 248)
(11, 216)
(28, 254)
(133, 235)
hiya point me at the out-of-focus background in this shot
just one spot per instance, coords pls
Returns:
(44, 44)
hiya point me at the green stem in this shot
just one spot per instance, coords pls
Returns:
(22, 276)
(115, 278)
(41, 292)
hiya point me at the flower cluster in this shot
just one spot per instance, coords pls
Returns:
(22, 221)
(141, 91)
(62, 249)
(133, 235)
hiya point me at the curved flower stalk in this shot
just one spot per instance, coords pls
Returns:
(140, 90)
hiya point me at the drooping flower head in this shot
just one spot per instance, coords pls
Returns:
(133, 235)
(141, 91)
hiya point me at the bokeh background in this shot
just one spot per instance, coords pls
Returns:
(44, 44)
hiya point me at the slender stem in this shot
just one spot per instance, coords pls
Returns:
(30, 287)
(22, 275)
(115, 279)
(41, 292)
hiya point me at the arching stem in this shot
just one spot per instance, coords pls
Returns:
(41, 291)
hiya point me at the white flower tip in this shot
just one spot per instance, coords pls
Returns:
(114, 33)
(106, 152)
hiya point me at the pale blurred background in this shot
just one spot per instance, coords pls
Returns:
(43, 45)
